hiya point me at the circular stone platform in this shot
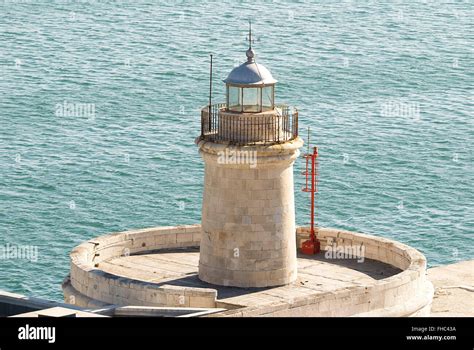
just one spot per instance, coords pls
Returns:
(158, 267)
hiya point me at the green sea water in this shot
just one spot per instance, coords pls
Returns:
(386, 87)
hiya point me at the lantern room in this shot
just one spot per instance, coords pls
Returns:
(249, 115)
(250, 87)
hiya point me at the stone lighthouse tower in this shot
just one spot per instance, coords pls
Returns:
(249, 145)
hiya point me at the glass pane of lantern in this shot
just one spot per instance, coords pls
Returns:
(234, 99)
(267, 98)
(251, 99)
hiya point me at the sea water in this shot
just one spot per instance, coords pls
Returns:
(99, 110)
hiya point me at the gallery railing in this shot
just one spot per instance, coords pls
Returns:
(220, 125)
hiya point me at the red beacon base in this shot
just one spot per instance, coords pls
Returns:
(310, 247)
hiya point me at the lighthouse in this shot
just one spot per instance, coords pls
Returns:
(247, 263)
(249, 145)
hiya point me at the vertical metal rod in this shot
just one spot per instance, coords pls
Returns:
(214, 118)
(278, 128)
(202, 125)
(219, 131)
(210, 94)
(265, 125)
(250, 33)
(273, 96)
(313, 190)
(227, 102)
(308, 138)
(247, 131)
(296, 123)
(307, 171)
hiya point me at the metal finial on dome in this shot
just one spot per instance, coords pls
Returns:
(250, 55)
(250, 52)
(250, 72)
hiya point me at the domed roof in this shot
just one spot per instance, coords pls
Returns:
(250, 73)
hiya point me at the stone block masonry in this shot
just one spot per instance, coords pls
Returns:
(248, 216)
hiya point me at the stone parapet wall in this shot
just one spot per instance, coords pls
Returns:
(88, 283)
(408, 293)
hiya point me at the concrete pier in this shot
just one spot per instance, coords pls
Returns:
(454, 289)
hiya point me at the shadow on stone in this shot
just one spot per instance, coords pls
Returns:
(372, 268)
